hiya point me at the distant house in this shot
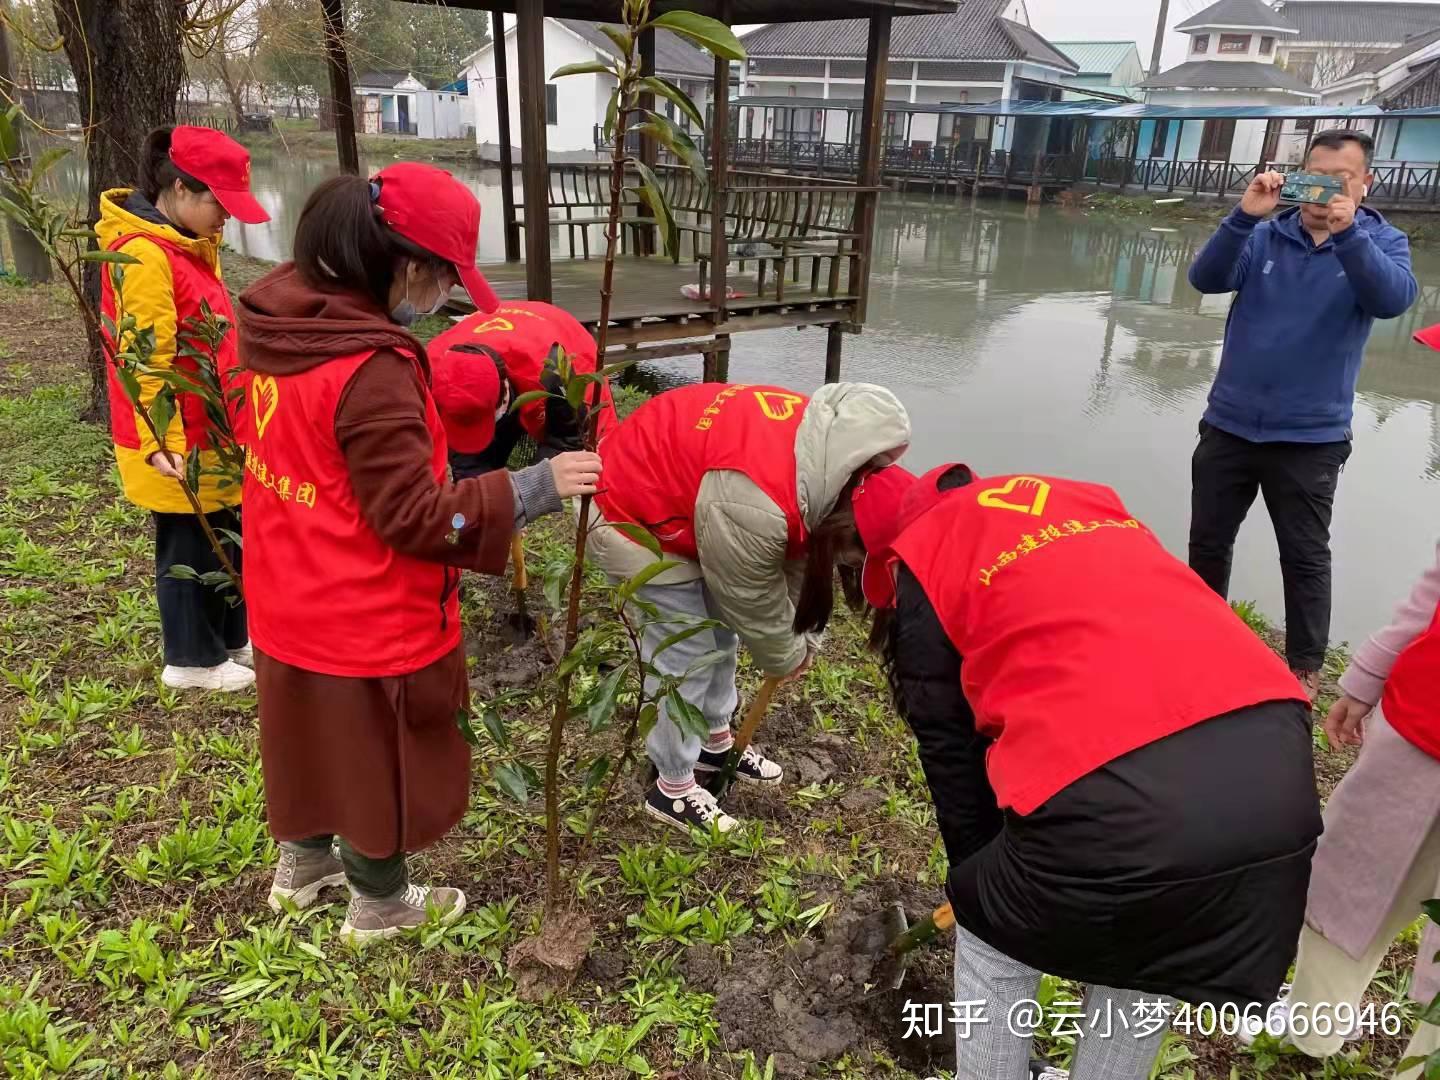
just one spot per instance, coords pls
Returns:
(985, 51)
(399, 103)
(1336, 37)
(575, 105)
(1230, 60)
(1407, 77)
(1110, 66)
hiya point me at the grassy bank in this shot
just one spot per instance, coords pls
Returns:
(289, 141)
(134, 936)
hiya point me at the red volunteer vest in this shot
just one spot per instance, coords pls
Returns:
(523, 333)
(654, 460)
(193, 282)
(1412, 693)
(323, 591)
(1082, 637)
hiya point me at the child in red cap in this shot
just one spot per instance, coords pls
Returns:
(192, 180)
(521, 341)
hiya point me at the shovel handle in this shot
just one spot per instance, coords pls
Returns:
(942, 918)
(748, 726)
(517, 556)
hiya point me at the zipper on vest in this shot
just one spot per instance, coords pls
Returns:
(447, 586)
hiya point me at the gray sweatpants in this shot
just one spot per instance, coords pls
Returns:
(1114, 1040)
(710, 689)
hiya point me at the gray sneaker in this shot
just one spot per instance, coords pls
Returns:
(302, 876)
(368, 918)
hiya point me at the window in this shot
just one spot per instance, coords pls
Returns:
(1234, 43)
(1159, 138)
(1215, 140)
(1200, 43)
(552, 104)
(1267, 46)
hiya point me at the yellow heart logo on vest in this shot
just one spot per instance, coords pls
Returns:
(493, 324)
(264, 397)
(1038, 490)
(778, 406)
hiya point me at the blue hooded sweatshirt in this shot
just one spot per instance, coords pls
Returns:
(1296, 332)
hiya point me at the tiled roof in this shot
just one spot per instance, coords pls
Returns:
(1400, 52)
(382, 79)
(1227, 75)
(1096, 57)
(1238, 13)
(673, 55)
(1351, 21)
(974, 32)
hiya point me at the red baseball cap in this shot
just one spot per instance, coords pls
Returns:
(429, 207)
(222, 165)
(876, 501)
(465, 382)
(1429, 336)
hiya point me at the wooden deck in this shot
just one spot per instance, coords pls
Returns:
(648, 306)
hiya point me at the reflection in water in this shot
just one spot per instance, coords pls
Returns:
(1052, 341)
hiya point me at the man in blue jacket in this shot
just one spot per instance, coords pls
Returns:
(1308, 285)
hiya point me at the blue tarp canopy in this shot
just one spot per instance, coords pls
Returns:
(1102, 110)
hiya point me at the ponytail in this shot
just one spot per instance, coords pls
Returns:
(157, 172)
(342, 242)
(817, 588)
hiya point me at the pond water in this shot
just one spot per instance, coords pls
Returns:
(1071, 344)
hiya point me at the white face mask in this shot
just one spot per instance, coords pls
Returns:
(405, 312)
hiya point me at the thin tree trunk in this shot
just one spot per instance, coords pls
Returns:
(128, 70)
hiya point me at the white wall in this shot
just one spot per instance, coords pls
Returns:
(580, 99)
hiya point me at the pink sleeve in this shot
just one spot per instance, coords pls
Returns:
(1370, 666)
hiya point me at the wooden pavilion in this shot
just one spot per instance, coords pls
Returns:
(767, 221)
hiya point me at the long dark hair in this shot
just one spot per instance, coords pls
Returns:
(157, 172)
(342, 242)
(817, 588)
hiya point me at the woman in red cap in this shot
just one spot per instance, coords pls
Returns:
(1121, 769)
(355, 540)
(513, 350)
(192, 180)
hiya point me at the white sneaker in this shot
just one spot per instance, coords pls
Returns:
(228, 676)
(244, 655)
(1276, 1022)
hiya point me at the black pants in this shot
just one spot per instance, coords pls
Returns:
(1298, 482)
(199, 622)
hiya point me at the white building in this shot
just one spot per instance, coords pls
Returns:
(1335, 37)
(1407, 77)
(1230, 60)
(575, 105)
(985, 51)
(398, 103)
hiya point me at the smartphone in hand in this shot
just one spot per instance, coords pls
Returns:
(1310, 188)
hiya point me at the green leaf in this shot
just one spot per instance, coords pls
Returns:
(620, 36)
(1431, 1013)
(496, 727)
(648, 715)
(584, 67)
(631, 586)
(231, 535)
(612, 114)
(47, 161)
(527, 397)
(183, 573)
(162, 410)
(640, 535)
(512, 781)
(668, 90)
(601, 706)
(1432, 909)
(129, 383)
(689, 719)
(192, 469)
(710, 34)
(652, 193)
(678, 636)
(709, 659)
(596, 773)
(109, 257)
(664, 130)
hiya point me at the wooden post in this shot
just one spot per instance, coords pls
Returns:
(871, 129)
(834, 339)
(534, 156)
(341, 95)
(1175, 157)
(649, 148)
(502, 135)
(719, 246)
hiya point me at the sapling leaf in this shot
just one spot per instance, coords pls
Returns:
(192, 469)
(182, 572)
(653, 194)
(1432, 909)
(527, 397)
(612, 114)
(583, 67)
(496, 727)
(677, 141)
(649, 713)
(690, 720)
(710, 34)
(596, 773)
(231, 535)
(118, 257)
(162, 410)
(129, 383)
(709, 659)
(667, 89)
(620, 36)
(677, 637)
(47, 161)
(601, 706)
(640, 535)
(636, 581)
(512, 782)
(467, 731)
(1431, 1013)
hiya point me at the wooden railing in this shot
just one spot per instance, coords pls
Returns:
(1396, 183)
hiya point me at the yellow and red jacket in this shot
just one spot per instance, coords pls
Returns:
(163, 290)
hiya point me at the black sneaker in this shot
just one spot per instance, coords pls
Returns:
(1043, 1070)
(754, 768)
(694, 809)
